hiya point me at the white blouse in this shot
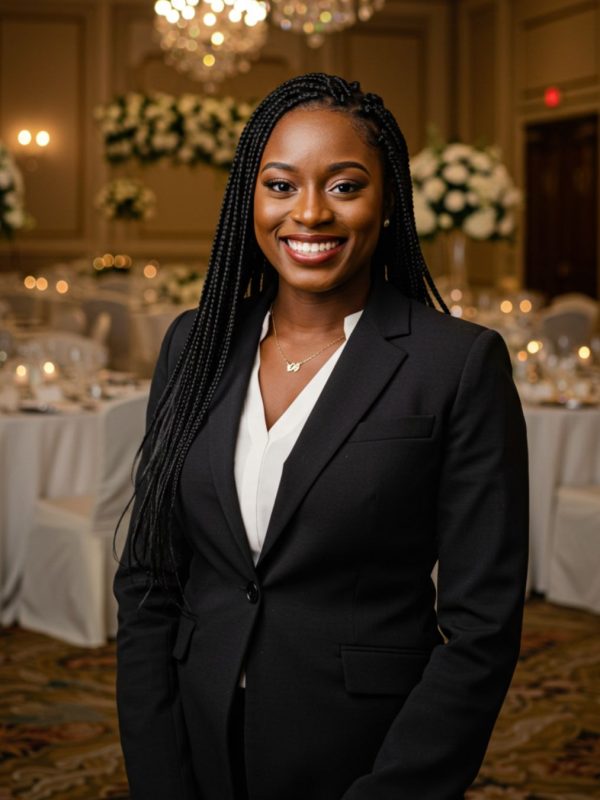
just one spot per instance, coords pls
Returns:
(261, 453)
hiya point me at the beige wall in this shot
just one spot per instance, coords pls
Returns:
(60, 58)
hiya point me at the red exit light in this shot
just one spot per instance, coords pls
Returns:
(552, 97)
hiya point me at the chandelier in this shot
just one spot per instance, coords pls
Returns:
(315, 18)
(211, 39)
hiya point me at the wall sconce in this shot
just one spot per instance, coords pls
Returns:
(26, 139)
(32, 145)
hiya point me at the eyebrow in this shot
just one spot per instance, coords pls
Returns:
(337, 167)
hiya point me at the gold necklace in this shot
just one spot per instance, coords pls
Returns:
(294, 366)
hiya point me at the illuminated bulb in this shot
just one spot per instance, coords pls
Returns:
(456, 311)
(172, 16)
(506, 306)
(62, 287)
(534, 346)
(208, 60)
(24, 137)
(98, 263)
(42, 284)
(162, 7)
(522, 355)
(325, 16)
(178, 4)
(42, 138)
(217, 38)
(120, 261)
(21, 371)
(235, 15)
(49, 368)
(525, 306)
(108, 259)
(188, 13)
(209, 19)
(29, 282)
(150, 271)
(456, 295)
(584, 351)
(217, 6)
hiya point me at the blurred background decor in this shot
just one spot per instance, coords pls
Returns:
(126, 199)
(462, 192)
(187, 129)
(13, 216)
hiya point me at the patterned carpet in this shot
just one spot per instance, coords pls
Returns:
(58, 728)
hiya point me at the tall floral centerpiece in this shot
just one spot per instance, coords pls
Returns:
(463, 192)
(126, 199)
(13, 216)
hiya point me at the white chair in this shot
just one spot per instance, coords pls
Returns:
(574, 575)
(566, 326)
(100, 328)
(117, 308)
(69, 564)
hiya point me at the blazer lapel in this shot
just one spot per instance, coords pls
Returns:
(367, 364)
(224, 417)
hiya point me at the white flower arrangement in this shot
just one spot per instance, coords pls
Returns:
(459, 186)
(13, 216)
(180, 284)
(126, 199)
(187, 129)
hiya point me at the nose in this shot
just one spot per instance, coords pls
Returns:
(311, 209)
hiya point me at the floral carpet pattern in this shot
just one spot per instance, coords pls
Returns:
(59, 736)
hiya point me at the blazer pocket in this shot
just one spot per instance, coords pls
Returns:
(413, 427)
(382, 670)
(183, 638)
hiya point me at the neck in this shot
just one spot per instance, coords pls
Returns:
(305, 312)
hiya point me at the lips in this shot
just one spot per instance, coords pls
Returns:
(312, 249)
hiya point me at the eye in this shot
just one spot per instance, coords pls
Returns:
(279, 186)
(346, 187)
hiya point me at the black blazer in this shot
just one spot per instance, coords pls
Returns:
(356, 688)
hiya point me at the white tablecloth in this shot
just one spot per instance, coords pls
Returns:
(564, 450)
(40, 456)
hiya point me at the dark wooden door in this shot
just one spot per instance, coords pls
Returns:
(561, 246)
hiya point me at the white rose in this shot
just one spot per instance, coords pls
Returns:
(480, 224)
(433, 189)
(424, 164)
(481, 161)
(455, 200)
(5, 179)
(445, 221)
(455, 173)
(15, 218)
(487, 189)
(456, 151)
(186, 154)
(187, 103)
(11, 199)
(472, 199)
(506, 226)
(424, 216)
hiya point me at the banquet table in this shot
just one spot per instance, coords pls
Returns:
(564, 450)
(41, 455)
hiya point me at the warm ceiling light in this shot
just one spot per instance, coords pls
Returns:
(42, 138)
(584, 351)
(506, 306)
(29, 282)
(150, 271)
(24, 137)
(49, 368)
(525, 306)
(62, 287)
(42, 284)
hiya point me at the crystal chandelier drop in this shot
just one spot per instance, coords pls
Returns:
(210, 40)
(315, 18)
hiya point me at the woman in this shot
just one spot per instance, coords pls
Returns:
(312, 450)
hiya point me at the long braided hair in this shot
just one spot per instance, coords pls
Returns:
(237, 267)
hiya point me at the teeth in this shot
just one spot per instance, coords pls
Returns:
(316, 247)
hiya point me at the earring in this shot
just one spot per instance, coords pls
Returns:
(386, 223)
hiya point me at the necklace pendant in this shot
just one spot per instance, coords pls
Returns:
(293, 366)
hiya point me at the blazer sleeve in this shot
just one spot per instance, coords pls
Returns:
(151, 724)
(435, 746)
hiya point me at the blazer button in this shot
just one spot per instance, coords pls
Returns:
(252, 592)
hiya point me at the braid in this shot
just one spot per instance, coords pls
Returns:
(237, 268)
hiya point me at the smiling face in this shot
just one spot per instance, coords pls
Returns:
(319, 201)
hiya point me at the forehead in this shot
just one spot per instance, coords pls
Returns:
(304, 135)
